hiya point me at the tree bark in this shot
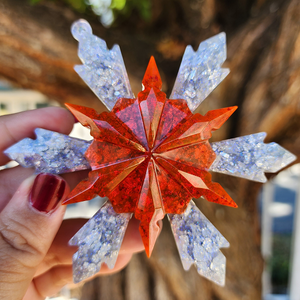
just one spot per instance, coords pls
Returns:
(38, 52)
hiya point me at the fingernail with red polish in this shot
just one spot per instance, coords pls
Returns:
(47, 192)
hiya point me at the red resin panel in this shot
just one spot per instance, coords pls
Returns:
(125, 195)
(128, 111)
(176, 112)
(149, 209)
(198, 155)
(175, 196)
(197, 182)
(109, 154)
(151, 111)
(114, 123)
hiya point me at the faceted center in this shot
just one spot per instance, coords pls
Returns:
(150, 156)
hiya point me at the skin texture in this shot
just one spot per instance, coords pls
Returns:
(35, 259)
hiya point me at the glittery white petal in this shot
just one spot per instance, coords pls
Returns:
(50, 152)
(103, 70)
(198, 242)
(249, 157)
(200, 72)
(99, 241)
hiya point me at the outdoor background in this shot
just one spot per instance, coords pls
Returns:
(37, 52)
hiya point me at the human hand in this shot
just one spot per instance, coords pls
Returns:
(35, 259)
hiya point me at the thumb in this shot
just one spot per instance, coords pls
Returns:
(28, 225)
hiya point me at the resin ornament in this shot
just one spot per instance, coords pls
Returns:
(150, 156)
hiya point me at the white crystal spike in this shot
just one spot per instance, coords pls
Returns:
(98, 241)
(199, 243)
(50, 152)
(103, 70)
(249, 157)
(200, 72)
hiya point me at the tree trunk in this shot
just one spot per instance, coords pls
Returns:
(38, 52)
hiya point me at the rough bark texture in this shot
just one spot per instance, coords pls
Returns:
(38, 52)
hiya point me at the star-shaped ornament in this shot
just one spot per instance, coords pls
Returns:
(150, 156)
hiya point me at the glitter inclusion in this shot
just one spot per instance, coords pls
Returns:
(150, 156)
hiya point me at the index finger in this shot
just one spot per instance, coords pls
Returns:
(17, 126)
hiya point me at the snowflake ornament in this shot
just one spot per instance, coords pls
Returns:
(150, 156)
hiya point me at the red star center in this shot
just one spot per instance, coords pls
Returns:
(150, 156)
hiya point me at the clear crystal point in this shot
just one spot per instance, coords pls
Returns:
(249, 157)
(103, 70)
(200, 71)
(98, 241)
(50, 152)
(199, 243)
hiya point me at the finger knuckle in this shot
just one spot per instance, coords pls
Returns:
(10, 267)
(19, 239)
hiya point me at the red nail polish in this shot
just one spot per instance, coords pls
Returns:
(47, 192)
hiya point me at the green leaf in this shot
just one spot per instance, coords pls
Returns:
(118, 4)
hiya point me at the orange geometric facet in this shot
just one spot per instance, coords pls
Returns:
(150, 156)
(152, 77)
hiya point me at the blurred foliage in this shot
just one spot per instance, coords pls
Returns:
(79, 5)
(280, 262)
(143, 7)
(116, 8)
